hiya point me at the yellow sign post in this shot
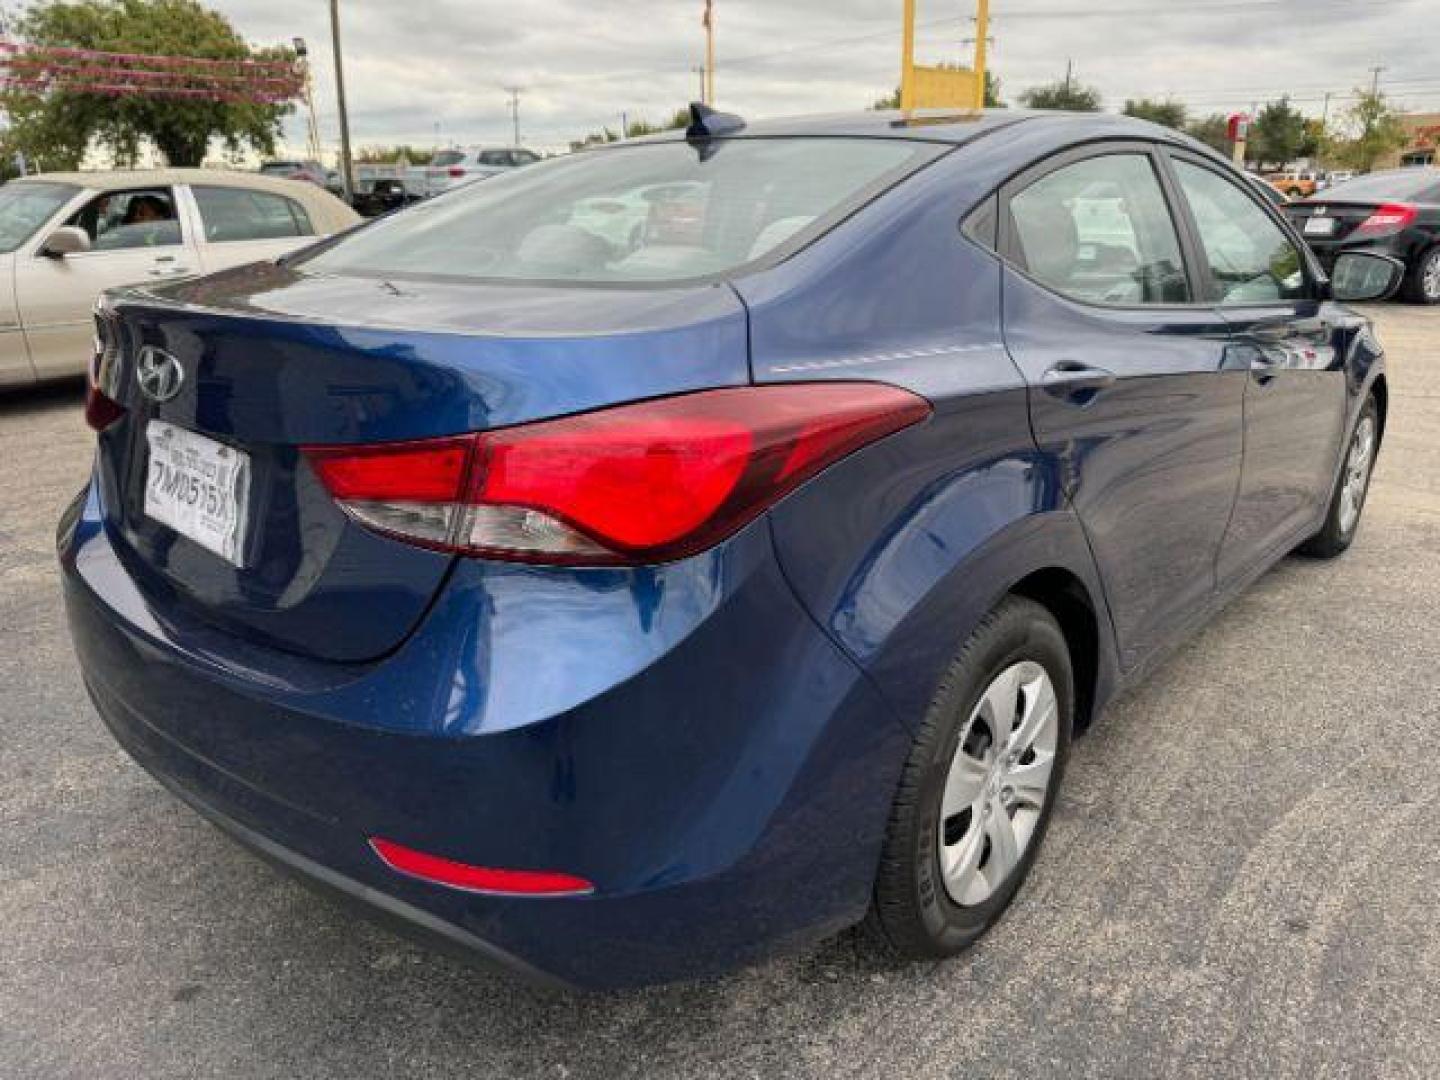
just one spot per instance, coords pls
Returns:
(941, 87)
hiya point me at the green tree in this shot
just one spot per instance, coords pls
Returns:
(1213, 131)
(1278, 134)
(389, 155)
(992, 94)
(1170, 114)
(58, 126)
(1370, 129)
(634, 129)
(1063, 94)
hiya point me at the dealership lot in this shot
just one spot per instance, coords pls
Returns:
(1240, 879)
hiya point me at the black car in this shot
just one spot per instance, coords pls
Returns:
(1395, 212)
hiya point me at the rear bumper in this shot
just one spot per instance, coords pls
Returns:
(721, 773)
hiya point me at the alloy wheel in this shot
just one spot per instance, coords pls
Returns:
(1357, 474)
(998, 783)
(1430, 277)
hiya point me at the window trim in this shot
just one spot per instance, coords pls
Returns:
(1007, 246)
(292, 205)
(1315, 278)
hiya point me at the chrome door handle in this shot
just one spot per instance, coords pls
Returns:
(1077, 383)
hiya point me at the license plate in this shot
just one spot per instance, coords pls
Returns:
(1320, 226)
(199, 488)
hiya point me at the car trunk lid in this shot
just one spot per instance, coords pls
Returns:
(271, 361)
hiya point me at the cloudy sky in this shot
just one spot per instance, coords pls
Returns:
(433, 70)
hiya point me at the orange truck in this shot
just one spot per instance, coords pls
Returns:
(1294, 185)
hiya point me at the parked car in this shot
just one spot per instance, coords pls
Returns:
(1294, 185)
(1395, 212)
(623, 614)
(311, 172)
(66, 236)
(452, 168)
(1333, 178)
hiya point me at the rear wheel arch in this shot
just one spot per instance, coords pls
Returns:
(1065, 596)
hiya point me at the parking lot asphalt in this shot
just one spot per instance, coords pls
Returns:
(1241, 879)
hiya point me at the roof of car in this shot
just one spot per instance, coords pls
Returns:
(953, 126)
(334, 214)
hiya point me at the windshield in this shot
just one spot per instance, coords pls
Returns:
(25, 207)
(1422, 185)
(448, 157)
(657, 212)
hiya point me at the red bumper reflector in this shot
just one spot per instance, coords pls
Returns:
(457, 875)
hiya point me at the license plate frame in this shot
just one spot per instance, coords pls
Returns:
(1319, 226)
(198, 487)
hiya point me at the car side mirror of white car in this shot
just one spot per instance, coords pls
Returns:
(66, 240)
(1365, 275)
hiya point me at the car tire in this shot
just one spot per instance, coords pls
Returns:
(1422, 283)
(1352, 488)
(933, 896)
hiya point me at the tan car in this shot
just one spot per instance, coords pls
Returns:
(1294, 185)
(66, 236)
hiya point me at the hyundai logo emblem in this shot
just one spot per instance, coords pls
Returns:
(158, 373)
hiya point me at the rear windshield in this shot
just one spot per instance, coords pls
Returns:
(1422, 185)
(657, 212)
(25, 207)
(448, 157)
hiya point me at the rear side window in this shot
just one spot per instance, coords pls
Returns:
(1100, 231)
(1248, 258)
(654, 212)
(495, 157)
(236, 214)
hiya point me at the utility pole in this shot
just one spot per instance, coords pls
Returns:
(982, 30)
(624, 125)
(514, 92)
(701, 72)
(1375, 79)
(347, 165)
(312, 127)
(1069, 71)
(709, 82)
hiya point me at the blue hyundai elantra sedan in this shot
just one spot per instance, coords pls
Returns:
(669, 553)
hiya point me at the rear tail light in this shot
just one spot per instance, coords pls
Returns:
(456, 171)
(1389, 218)
(458, 875)
(101, 409)
(644, 483)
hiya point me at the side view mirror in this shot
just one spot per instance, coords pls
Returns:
(1365, 275)
(66, 240)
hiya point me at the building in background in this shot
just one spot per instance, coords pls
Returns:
(1424, 132)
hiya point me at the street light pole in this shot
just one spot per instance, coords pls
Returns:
(347, 170)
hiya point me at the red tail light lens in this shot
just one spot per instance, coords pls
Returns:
(1389, 218)
(643, 483)
(457, 171)
(101, 410)
(458, 875)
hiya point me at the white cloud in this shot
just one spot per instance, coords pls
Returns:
(412, 66)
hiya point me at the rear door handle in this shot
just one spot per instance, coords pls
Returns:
(1076, 383)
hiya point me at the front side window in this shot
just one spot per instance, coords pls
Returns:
(1099, 231)
(651, 212)
(236, 214)
(24, 207)
(1248, 258)
(124, 220)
